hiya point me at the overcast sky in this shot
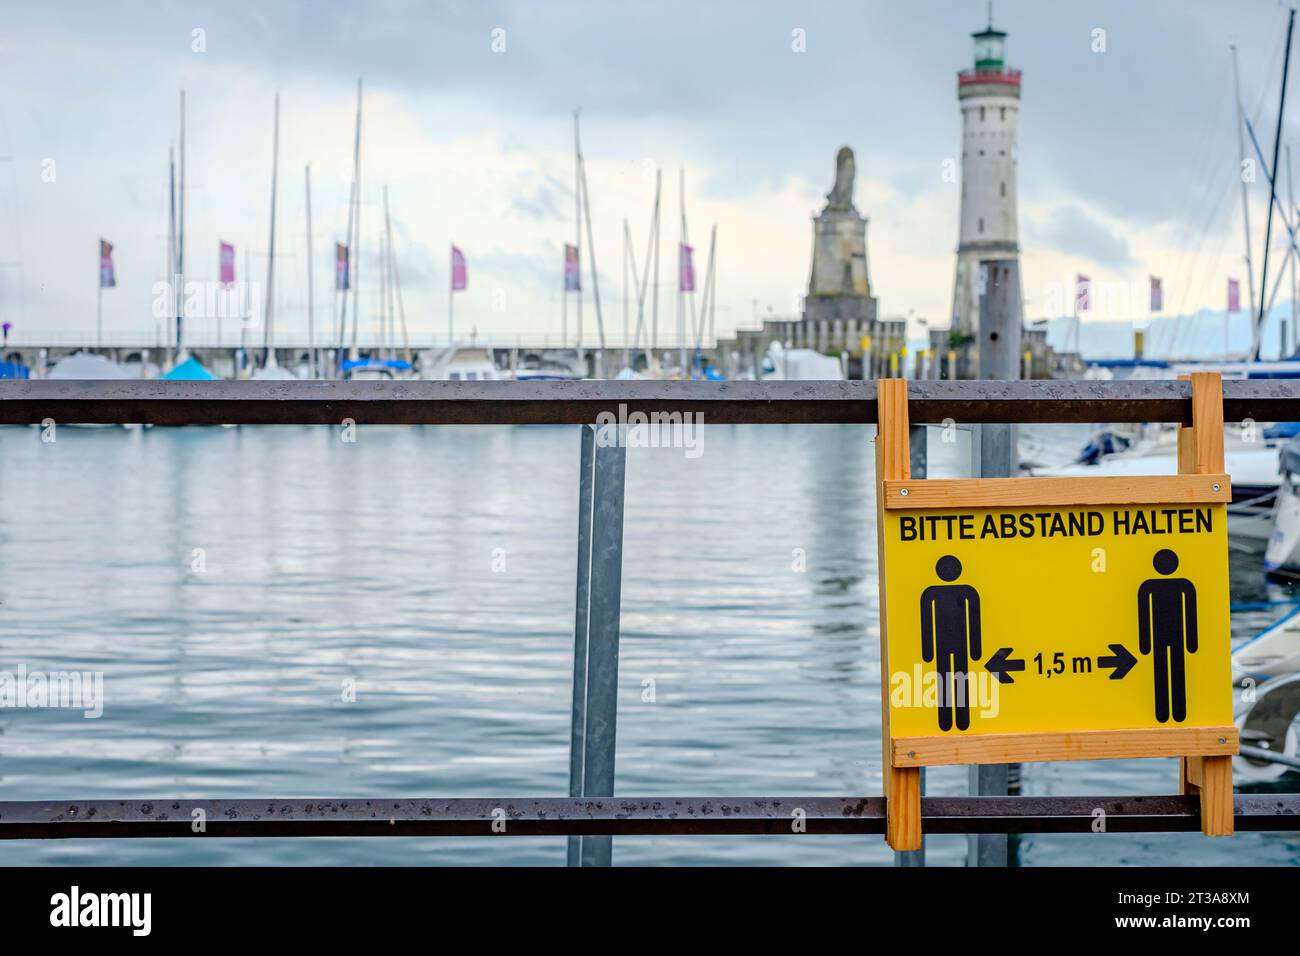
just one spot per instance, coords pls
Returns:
(1127, 156)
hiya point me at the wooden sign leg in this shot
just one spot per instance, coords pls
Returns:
(902, 785)
(1200, 452)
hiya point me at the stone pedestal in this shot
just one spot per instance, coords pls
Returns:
(839, 266)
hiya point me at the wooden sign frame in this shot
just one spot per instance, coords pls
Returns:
(1205, 752)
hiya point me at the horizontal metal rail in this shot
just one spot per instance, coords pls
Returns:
(620, 816)
(579, 403)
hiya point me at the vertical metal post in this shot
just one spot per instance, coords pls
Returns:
(596, 632)
(578, 717)
(917, 436)
(994, 455)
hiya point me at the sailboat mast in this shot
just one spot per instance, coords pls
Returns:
(713, 292)
(643, 284)
(171, 226)
(397, 280)
(1245, 195)
(383, 288)
(654, 290)
(355, 268)
(1291, 217)
(1272, 192)
(180, 244)
(389, 297)
(577, 222)
(591, 256)
(681, 252)
(268, 348)
(708, 292)
(342, 295)
(311, 288)
(242, 361)
(627, 349)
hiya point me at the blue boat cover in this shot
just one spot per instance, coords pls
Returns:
(189, 371)
(375, 363)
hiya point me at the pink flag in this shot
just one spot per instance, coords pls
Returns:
(342, 281)
(227, 264)
(1157, 295)
(572, 275)
(459, 273)
(1234, 296)
(1083, 294)
(686, 268)
(107, 279)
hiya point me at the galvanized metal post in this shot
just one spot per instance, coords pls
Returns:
(596, 629)
(919, 452)
(995, 455)
(578, 715)
(603, 613)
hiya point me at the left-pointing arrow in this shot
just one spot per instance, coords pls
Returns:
(1001, 662)
(1122, 662)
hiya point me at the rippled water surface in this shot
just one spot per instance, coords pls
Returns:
(232, 584)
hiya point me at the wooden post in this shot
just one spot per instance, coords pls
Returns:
(1200, 452)
(902, 785)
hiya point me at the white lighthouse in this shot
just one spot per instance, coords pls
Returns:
(989, 96)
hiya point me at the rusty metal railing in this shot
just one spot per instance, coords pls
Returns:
(579, 403)
(617, 816)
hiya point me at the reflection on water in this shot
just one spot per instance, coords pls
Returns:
(236, 585)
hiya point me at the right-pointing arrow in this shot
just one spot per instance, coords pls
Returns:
(1122, 661)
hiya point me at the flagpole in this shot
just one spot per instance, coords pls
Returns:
(247, 316)
(1227, 320)
(99, 304)
(1076, 318)
(451, 298)
(225, 291)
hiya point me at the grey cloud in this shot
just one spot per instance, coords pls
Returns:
(1071, 230)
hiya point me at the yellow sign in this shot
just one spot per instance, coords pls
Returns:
(1043, 620)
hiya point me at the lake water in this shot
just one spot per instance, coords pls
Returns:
(231, 583)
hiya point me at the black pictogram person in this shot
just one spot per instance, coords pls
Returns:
(1167, 627)
(950, 633)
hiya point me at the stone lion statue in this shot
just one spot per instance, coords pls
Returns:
(841, 195)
